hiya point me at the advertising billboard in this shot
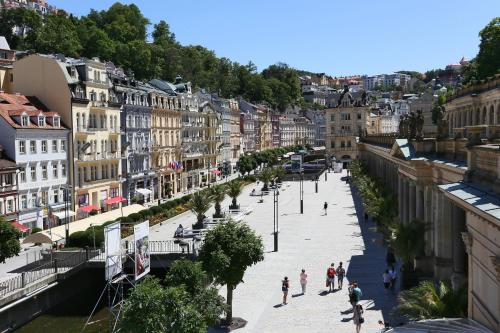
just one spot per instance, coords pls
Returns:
(112, 247)
(296, 161)
(141, 246)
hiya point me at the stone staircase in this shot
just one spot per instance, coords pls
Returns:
(463, 325)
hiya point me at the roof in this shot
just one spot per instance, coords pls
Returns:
(4, 45)
(445, 325)
(405, 148)
(475, 196)
(17, 105)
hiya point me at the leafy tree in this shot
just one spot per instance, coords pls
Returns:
(266, 176)
(227, 251)
(95, 42)
(58, 35)
(408, 242)
(488, 58)
(200, 202)
(27, 21)
(218, 194)
(426, 301)
(123, 23)
(234, 190)
(9, 240)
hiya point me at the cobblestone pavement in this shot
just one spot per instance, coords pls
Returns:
(312, 241)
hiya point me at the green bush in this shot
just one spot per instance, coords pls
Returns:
(98, 233)
(35, 230)
(156, 210)
(135, 217)
(77, 239)
(145, 214)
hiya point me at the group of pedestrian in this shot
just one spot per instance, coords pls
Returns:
(357, 309)
(285, 285)
(331, 272)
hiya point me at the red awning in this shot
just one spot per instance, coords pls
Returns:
(19, 226)
(89, 208)
(113, 200)
(217, 172)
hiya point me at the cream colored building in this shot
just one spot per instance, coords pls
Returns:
(235, 136)
(79, 90)
(453, 186)
(344, 124)
(7, 58)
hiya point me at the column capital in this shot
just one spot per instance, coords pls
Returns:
(467, 239)
(496, 264)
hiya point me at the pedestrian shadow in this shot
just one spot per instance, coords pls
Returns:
(348, 311)
(346, 320)
(278, 305)
(323, 293)
(367, 268)
(297, 295)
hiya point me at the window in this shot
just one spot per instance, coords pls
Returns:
(54, 171)
(359, 116)
(63, 145)
(345, 116)
(57, 122)
(55, 196)
(332, 117)
(34, 200)
(41, 121)
(10, 206)
(33, 173)
(7, 179)
(44, 146)
(22, 175)
(63, 169)
(24, 121)
(44, 199)
(22, 147)
(54, 146)
(33, 147)
(24, 201)
(44, 172)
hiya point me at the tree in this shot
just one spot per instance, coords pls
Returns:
(425, 301)
(488, 58)
(234, 190)
(58, 35)
(266, 176)
(200, 202)
(227, 251)
(9, 240)
(152, 308)
(218, 193)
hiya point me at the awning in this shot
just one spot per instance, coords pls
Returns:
(217, 172)
(88, 208)
(144, 191)
(62, 214)
(19, 226)
(114, 200)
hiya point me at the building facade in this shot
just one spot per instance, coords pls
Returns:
(7, 58)
(247, 128)
(235, 141)
(8, 188)
(287, 131)
(37, 141)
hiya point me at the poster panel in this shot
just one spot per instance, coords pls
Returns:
(296, 161)
(141, 246)
(112, 247)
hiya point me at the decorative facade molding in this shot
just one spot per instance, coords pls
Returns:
(496, 264)
(467, 239)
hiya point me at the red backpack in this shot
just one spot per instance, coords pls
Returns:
(331, 272)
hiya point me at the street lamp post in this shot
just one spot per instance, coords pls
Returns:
(316, 181)
(276, 194)
(301, 182)
(66, 212)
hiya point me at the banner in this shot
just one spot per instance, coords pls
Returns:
(296, 161)
(112, 248)
(141, 246)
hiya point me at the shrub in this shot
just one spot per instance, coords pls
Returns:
(93, 212)
(35, 230)
(135, 217)
(77, 239)
(145, 213)
(155, 210)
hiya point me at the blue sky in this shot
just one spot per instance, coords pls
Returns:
(336, 37)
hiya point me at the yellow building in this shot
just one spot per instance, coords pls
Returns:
(80, 90)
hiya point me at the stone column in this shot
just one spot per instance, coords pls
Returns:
(428, 219)
(412, 203)
(406, 201)
(420, 204)
(458, 227)
(400, 197)
(443, 247)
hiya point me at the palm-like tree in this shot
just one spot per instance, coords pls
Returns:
(234, 190)
(218, 193)
(427, 301)
(265, 176)
(279, 173)
(200, 202)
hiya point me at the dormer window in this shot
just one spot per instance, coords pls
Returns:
(57, 122)
(41, 121)
(24, 120)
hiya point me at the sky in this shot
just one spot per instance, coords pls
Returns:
(335, 37)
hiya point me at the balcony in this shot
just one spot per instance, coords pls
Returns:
(80, 130)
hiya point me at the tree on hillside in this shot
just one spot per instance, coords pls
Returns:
(488, 58)
(9, 240)
(27, 21)
(227, 251)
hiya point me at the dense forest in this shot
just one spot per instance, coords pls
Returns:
(120, 35)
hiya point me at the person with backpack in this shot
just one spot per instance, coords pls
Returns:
(340, 275)
(354, 294)
(330, 278)
(357, 317)
(285, 285)
(325, 207)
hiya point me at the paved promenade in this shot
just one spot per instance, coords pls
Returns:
(311, 241)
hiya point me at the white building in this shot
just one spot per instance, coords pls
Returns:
(38, 142)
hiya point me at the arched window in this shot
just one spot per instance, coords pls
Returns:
(84, 121)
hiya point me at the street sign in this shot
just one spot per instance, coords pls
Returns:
(296, 161)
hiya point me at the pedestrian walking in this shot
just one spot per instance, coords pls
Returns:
(330, 277)
(325, 207)
(386, 277)
(303, 281)
(357, 317)
(354, 294)
(390, 258)
(393, 274)
(285, 285)
(340, 275)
